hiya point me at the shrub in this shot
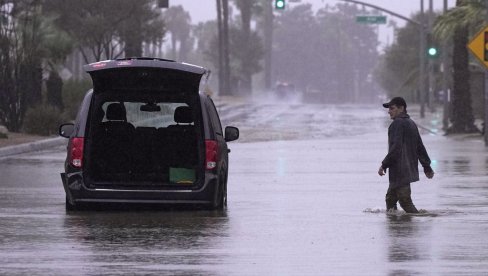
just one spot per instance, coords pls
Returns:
(73, 93)
(43, 120)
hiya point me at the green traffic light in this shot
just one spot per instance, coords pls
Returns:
(432, 51)
(280, 4)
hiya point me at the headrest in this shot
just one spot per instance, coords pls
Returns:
(183, 115)
(116, 112)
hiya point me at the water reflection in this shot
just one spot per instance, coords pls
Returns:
(179, 241)
(406, 243)
(401, 230)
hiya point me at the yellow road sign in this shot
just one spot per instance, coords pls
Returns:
(479, 46)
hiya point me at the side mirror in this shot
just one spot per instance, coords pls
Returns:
(231, 133)
(65, 130)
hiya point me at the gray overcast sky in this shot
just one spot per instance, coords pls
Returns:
(203, 10)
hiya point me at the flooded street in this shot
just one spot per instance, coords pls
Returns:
(310, 203)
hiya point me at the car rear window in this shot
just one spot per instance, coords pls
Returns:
(143, 118)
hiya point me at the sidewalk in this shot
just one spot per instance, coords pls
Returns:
(432, 123)
(36, 144)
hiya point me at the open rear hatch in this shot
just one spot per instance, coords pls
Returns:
(145, 127)
(162, 76)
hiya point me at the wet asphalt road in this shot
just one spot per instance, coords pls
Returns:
(296, 207)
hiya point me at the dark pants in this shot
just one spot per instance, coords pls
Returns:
(400, 194)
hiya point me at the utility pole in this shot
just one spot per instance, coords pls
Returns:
(430, 90)
(445, 85)
(268, 43)
(422, 61)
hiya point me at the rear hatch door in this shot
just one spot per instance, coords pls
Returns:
(158, 75)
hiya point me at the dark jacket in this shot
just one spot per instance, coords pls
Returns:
(405, 150)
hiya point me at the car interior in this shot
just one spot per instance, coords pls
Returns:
(148, 149)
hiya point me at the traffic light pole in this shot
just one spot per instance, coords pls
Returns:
(445, 85)
(421, 78)
(485, 123)
(430, 90)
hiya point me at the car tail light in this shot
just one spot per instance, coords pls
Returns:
(76, 151)
(211, 148)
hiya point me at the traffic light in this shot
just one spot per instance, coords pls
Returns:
(163, 3)
(432, 51)
(432, 48)
(280, 4)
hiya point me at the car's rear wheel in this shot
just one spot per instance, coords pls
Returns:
(224, 200)
(220, 200)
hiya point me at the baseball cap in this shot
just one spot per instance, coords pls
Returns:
(398, 101)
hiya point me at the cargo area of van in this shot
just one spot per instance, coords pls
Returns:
(143, 144)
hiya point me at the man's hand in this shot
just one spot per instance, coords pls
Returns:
(381, 171)
(429, 175)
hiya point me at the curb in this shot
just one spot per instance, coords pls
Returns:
(34, 146)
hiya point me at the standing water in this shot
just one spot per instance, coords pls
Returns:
(304, 199)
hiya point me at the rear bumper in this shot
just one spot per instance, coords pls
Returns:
(77, 192)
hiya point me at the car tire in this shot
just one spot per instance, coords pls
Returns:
(224, 202)
(219, 201)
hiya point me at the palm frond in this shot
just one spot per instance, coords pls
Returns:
(470, 14)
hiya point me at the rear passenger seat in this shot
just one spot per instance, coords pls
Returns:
(143, 153)
(183, 138)
(154, 151)
(113, 144)
(184, 146)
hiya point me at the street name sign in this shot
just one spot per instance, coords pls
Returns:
(371, 19)
(479, 46)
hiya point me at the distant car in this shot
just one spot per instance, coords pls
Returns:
(145, 134)
(285, 90)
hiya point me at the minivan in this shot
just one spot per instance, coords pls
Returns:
(146, 134)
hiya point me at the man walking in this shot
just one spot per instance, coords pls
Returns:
(405, 150)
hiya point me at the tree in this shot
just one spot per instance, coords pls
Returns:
(247, 56)
(291, 56)
(56, 46)
(455, 25)
(267, 41)
(143, 24)
(205, 36)
(54, 89)
(325, 52)
(178, 23)
(220, 47)
(223, 46)
(20, 60)
(108, 29)
(401, 80)
(352, 53)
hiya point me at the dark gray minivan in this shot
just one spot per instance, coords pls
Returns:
(146, 134)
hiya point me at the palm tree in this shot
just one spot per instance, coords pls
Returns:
(246, 8)
(220, 47)
(223, 37)
(178, 22)
(267, 27)
(456, 24)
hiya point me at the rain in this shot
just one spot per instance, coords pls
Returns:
(304, 194)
